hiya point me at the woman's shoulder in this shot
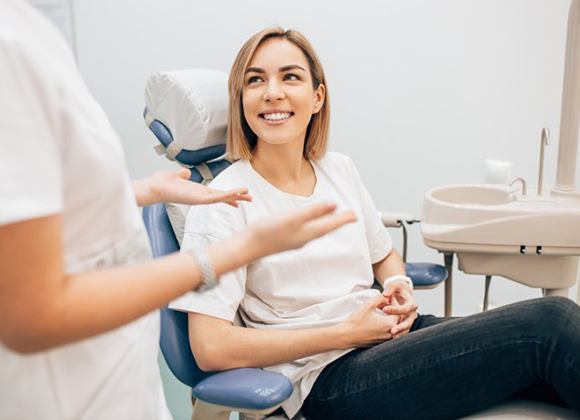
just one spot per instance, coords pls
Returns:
(336, 161)
(233, 176)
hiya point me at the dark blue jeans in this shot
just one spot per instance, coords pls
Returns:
(448, 368)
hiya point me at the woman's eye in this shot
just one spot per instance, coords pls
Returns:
(254, 79)
(291, 76)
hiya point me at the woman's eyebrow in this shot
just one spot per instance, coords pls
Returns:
(291, 67)
(281, 69)
(255, 70)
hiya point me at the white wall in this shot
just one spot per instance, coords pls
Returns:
(422, 91)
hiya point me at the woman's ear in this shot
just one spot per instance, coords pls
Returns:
(319, 96)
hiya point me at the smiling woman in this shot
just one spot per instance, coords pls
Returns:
(266, 85)
(283, 68)
(312, 314)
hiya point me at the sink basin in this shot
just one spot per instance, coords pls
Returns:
(452, 208)
(533, 239)
(472, 194)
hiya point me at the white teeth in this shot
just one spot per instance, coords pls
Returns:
(277, 116)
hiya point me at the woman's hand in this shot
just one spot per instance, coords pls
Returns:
(400, 302)
(368, 326)
(293, 230)
(175, 187)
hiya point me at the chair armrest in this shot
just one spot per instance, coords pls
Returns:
(394, 220)
(250, 389)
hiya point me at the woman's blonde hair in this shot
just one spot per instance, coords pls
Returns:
(241, 139)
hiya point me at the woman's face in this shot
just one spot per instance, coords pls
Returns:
(278, 97)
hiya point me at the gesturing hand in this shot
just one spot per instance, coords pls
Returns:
(402, 303)
(294, 229)
(175, 187)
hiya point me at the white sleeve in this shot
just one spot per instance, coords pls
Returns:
(30, 147)
(206, 225)
(378, 238)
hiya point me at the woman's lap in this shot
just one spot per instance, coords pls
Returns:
(446, 368)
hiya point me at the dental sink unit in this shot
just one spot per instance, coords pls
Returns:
(531, 239)
(496, 219)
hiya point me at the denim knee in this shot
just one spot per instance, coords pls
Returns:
(552, 313)
(556, 306)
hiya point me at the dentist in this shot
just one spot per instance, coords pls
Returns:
(78, 292)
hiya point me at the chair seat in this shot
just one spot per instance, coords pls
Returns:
(253, 389)
(426, 274)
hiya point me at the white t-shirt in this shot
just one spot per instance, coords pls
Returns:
(318, 285)
(59, 154)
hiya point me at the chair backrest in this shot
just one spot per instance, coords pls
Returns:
(174, 339)
(186, 111)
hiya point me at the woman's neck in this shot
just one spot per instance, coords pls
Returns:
(285, 167)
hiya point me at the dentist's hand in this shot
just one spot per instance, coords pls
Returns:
(400, 302)
(367, 326)
(276, 234)
(174, 186)
(294, 229)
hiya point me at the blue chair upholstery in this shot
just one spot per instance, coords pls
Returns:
(426, 275)
(249, 389)
(193, 158)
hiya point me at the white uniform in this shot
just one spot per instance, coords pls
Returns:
(318, 285)
(59, 154)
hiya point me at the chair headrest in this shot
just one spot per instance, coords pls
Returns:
(187, 111)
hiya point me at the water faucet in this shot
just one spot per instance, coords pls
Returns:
(524, 186)
(544, 141)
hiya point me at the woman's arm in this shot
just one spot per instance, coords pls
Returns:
(218, 345)
(42, 307)
(389, 266)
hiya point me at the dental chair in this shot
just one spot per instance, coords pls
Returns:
(250, 391)
(254, 392)
(187, 113)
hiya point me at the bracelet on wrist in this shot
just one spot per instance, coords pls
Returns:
(209, 280)
(398, 277)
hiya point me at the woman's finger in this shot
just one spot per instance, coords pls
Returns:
(378, 303)
(388, 293)
(245, 197)
(404, 325)
(232, 203)
(217, 196)
(314, 212)
(329, 223)
(404, 309)
(392, 289)
(184, 173)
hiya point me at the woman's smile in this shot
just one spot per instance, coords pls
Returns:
(275, 117)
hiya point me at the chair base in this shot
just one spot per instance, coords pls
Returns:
(510, 409)
(513, 409)
(204, 411)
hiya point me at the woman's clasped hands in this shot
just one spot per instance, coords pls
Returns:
(388, 316)
(368, 325)
(400, 301)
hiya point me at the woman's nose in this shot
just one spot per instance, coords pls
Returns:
(274, 91)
